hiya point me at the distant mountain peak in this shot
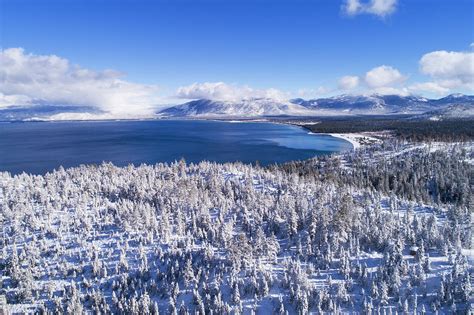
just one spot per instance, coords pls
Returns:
(345, 104)
(457, 111)
(456, 95)
(251, 107)
(382, 104)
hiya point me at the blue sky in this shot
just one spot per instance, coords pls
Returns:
(298, 47)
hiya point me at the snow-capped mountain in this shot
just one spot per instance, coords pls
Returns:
(369, 104)
(258, 107)
(40, 112)
(245, 108)
(455, 99)
(457, 111)
(337, 105)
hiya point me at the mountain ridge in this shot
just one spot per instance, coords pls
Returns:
(338, 105)
(341, 105)
(248, 107)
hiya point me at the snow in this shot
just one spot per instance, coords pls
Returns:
(352, 138)
(132, 230)
(333, 106)
(254, 107)
(356, 139)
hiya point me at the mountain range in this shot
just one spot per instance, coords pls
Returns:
(43, 112)
(454, 105)
(338, 105)
(452, 111)
(245, 108)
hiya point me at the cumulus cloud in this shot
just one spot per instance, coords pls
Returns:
(311, 93)
(8, 100)
(428, 87)
(383, 76)
(379, 80)
(380, 8)
(226, 92)
(389, 90)
(449, 68)
(352, 7)
(348, 82)
(33, 79)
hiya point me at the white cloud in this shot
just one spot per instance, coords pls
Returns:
(312, 93)
(388, 90)
(31, 79)
(348, 82)
(380, 8)
(383, 76)
(8, 100)
(428, 87)
(226, 92)
(352, 7)
(450, 69)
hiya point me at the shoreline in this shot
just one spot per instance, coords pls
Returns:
(355, 143)
(357, 140)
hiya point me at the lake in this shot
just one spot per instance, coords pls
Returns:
(38, 147)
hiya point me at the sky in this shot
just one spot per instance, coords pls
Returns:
(131, 56)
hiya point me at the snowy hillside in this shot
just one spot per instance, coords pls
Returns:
(244, 108)
(337, 105)
(253, 107)
(452, 111)
(373, 104)
(326, 235)
(456, 99)
(40, 112)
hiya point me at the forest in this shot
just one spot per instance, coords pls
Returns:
(407, 127)
(383, 229)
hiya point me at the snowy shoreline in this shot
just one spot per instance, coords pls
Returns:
(354, 143)
(356, 139)
(348, 138)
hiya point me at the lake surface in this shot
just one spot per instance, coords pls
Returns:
(38, 147)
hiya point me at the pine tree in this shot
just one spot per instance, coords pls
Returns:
(280, 309)
(383, 293)
(172, 307)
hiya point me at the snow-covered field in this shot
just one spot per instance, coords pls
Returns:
(389, 231)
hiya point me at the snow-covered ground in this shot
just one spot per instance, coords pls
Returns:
(357, 139)
(232, 238)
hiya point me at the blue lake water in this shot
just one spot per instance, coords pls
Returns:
(38, 147)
